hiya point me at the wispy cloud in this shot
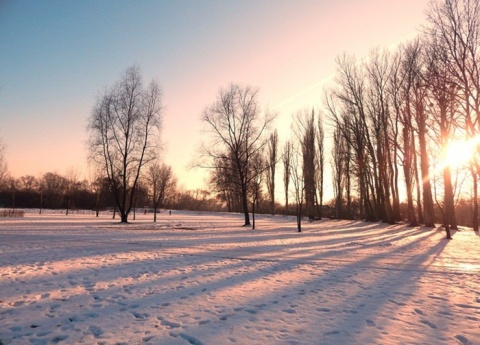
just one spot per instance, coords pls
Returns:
(303, 92)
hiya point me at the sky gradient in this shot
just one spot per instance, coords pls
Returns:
(57, 56)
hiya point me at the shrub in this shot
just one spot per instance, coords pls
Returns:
(11, 213)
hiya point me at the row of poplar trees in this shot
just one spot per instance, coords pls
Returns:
(401, 110)
(392, 116)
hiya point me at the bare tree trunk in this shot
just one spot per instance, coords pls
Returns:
(253, 215)
(475, 199)
(286, 157)
(245, 206)
(449, 199)
(418, 184)
(429, 213)
(407, 168)
(299, 218)
(272, 153)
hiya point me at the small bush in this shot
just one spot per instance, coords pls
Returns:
(11, 213)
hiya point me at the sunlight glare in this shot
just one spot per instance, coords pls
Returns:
(460, 152)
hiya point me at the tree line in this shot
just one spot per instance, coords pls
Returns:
(392, 118)
(62, 192)
(402, 110)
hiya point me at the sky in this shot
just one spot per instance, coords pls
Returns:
(58, 56)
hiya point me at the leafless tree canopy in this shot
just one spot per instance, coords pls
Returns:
(3, 164)
(124, 134)
(286, 160)
(161, 183)
(306, 135)
(270, 168)
(237, 131)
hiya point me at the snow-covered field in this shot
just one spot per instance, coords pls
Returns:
(197, 278)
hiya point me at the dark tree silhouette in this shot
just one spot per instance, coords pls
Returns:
(124, 135)
(161, 183)
(237, 131)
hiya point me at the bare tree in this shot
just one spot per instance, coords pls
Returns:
(306, 134)
(401, 85)
(272, 158)
(341, 174)
(286, 158)
(222, 179)
(444, 107)
(161, 182)
(346, 106)
(378, 72)
(320, 164)
(124, 134)
(296, 170)
(258, 166)
(53, 188)
(12, 186)
(71, 185)
(97, 188)
(3, 164)
(27, 183)
(237, 131)
(454, 30)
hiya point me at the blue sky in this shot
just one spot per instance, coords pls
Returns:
(56, 56)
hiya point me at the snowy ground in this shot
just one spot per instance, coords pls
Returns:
(198, 278)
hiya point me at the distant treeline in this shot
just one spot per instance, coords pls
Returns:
(50, 192)
(55, 191)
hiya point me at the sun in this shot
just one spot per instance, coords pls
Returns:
(460, 152)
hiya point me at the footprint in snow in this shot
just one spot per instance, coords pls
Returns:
(437, 298)
(16, 328)
(467, 306)
(428, 323)
(397, 303)
(418, 311)
(463, 340)
(140, 316)
(190, 339)
(92, 314)
(147, 338)
(43, 333)
(325, 310)
(59, 338)
(370, 323)
(289, 311)
(226, 316)
(168, 324)
(96, 331)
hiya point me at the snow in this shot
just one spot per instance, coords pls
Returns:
(202, 278)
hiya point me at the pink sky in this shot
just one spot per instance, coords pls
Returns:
(286, 48)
